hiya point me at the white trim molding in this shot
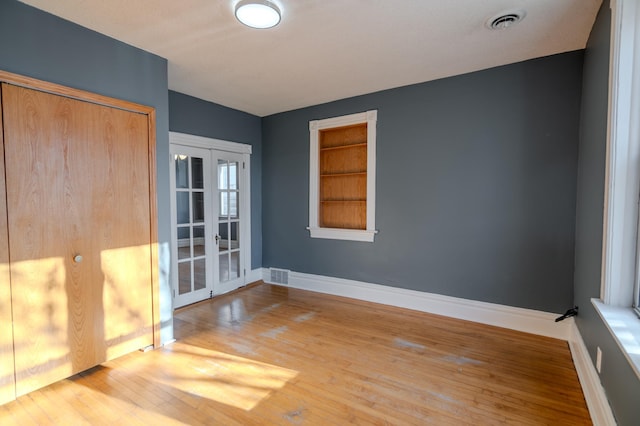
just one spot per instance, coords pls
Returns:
(255, 275)
(520, 319)
(343, 234)
(620, 261)
(315, 126)
(176, 138)
(622, 176)
(594, 394)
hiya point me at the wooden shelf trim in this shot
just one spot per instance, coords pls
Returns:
(343, 201)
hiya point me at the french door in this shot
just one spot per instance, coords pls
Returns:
(228, 207)
(191, 218)
(209, 222)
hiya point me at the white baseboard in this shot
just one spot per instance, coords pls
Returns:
(594, 394)
(255, 275)
(520, 319)
(526, 320)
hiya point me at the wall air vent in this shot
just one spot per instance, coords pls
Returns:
(505, 20)
(279, 276)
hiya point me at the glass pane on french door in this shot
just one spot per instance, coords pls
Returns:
(229, 219)
(192, 223)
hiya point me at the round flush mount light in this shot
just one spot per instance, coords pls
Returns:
(258, 13)
(505, 20)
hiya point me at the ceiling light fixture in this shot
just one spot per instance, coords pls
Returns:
(258, 13)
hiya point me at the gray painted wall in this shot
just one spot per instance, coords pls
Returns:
(198, 117)
(621, 384)
(36, 44)
(476, 181)
(477, 170)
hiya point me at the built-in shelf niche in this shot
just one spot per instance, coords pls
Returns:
(342, 177)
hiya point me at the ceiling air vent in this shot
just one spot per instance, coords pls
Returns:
(505, 20)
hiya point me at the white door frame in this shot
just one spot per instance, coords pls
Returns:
(192, 141)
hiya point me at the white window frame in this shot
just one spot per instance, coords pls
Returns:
(315, 126)
(620, 263)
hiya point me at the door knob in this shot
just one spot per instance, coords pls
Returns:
(217, 237)
(77, 258)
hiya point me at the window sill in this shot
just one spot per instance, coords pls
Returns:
(343, 234)
(624, 325)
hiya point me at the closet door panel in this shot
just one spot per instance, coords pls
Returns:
(7, 383)
(75, 230)
(120, 204)
(51, 303)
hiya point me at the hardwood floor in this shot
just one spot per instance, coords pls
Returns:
(273, 355)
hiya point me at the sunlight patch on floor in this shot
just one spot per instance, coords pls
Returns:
(228, 379)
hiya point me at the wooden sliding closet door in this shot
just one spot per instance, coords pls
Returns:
(77, 178)
(7, 384)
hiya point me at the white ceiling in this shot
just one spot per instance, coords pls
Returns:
(324, 50)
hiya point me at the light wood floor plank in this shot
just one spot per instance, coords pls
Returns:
(273, 355)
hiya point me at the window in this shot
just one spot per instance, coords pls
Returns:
(623, 151)
(621, 265)
(637, 299)
(342, 177)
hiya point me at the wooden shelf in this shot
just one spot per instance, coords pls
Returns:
(353, 145)
(335, 161)
(349, 214)
(343, 136)
(344, 174)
